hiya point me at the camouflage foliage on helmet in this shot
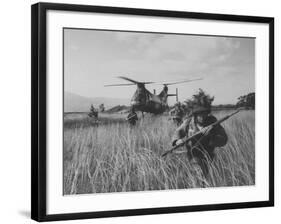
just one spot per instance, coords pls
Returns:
(199, 101)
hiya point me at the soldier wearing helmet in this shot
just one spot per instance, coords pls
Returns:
(132, 117)
(201, 150)
(177, 114)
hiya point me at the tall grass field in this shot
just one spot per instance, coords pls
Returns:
(110, 156)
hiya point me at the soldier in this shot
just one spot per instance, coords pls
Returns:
(177, 114)
(132, 117)
(200, 150)
(93, 112)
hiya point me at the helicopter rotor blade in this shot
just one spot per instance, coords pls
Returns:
(127, 79)
(147, 82)
(183, 81)
(134, 81)
(127, 84)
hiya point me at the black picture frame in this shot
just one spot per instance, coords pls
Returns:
(39, 122)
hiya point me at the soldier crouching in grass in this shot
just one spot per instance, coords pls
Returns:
(200, 150)
(132, 117)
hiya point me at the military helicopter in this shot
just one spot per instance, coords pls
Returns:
(145, 101)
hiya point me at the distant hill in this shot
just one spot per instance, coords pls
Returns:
(118, 109)
(76, 103)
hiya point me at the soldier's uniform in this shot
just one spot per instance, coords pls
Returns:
(200, 150)
(93, 113)
(177, 114)
(132, 118)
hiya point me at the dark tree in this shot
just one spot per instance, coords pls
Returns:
(247, 101)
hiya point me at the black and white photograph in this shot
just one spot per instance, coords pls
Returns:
(134, 111)
(148, 111)
(139, 111)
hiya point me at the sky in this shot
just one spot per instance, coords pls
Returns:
(94, 58)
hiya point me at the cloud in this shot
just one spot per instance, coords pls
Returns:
(137, 41)
(177, 56)
(177, 47)
(223, 62)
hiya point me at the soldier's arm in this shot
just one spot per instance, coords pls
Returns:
(218, 137)
(181, 131)
(129, 117)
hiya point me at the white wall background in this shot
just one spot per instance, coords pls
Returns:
(15, 110)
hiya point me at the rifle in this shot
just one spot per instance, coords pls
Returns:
(134, 115)
(202, 131)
